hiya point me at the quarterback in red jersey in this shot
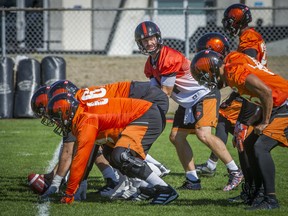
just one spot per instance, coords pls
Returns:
(197, 112)
(259, 85)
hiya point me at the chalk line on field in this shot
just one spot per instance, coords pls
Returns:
(43, 208)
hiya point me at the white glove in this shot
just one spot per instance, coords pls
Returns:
(81, 192)
(54, 188)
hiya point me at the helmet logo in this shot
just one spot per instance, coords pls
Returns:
(145, 32)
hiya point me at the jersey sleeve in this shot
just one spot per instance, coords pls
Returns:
(86, 137)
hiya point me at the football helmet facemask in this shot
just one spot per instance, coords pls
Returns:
(39, 102)
(144, 30)
(62, 108)
(205, 68)
(62, 86)
(236, 17)
(213, 41)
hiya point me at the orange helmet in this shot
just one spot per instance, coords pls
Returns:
(62, 108)
(213, 41)
(39, 103)
(236, 17)
(62, 86)
(205, 68)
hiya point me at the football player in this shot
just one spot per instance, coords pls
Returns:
(198, 106)
(140, 122)
(261, 86)
(236, 21)
(121, 89)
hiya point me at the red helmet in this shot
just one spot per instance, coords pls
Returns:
(213, 41)
(236, 17)
(39, 103)
(144, 30)
(62, 86)
(205, 68)
(62, 108)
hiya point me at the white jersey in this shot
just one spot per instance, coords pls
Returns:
(187, 92)
(172, 69)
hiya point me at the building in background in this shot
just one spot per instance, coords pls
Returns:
(108, 28)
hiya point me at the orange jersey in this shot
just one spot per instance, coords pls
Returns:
(113, 90)
(88, 122)
(169, 61)
(238, 66)
(251, 39)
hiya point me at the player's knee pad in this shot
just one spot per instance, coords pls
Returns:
(130, 165)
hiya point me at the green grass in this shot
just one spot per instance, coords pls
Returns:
(27, 146)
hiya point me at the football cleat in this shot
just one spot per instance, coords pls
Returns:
(203, 170)
(128, 194)
(164, 170)
(267, 203)
(110, 185)
(235, 178)
(118, 191)
(164, 195)
(244, 197)
(144, 193)
(191, 185)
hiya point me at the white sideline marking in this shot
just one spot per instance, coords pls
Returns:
(43, 208)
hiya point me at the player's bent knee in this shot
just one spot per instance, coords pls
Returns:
(130, 165)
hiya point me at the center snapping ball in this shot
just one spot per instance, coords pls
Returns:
(37, 183)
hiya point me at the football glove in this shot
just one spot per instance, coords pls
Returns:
(81, 192)
(67, 199)
(240, 132)
(51, 190)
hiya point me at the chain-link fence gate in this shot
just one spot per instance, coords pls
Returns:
(111, 31)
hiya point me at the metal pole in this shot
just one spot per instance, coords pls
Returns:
(3, 34)
(155, 12)
(20, 24)
(186, 32)
(46, 25)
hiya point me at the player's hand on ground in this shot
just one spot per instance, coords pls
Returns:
(51, 190)
(67, 199)
(81, 192)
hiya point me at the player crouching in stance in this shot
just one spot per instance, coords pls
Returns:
(133, 89)
(141, 122)
(257, 84)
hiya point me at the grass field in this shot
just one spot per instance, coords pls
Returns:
(27, 146)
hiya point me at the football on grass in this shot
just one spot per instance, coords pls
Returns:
(37, 183)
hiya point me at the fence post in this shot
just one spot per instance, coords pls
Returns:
(46, 26)
(3, 34)
(186, 32)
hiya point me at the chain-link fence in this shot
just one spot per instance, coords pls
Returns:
(111, 31)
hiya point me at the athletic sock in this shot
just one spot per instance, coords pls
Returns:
(211, 164)
(155, 180)
(192, 175)
(232, 166)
